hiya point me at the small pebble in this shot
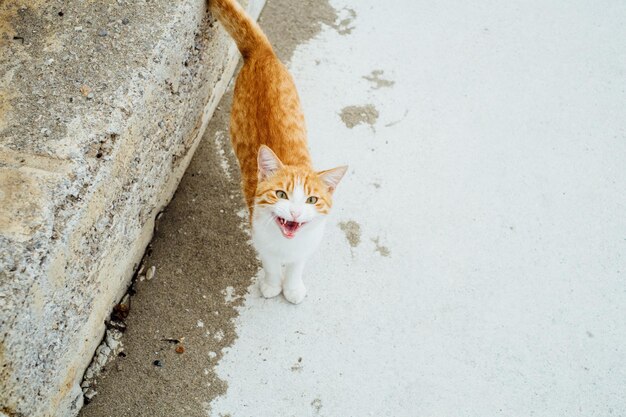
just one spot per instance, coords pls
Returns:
(78, 28)
(90, 96)
(158, 363)
(151, 272)
(101, 360)
(89, 394)
(105, 350)
(180, 349)
(102, 32)
(125, 302)
(112, 343)
(125, 21)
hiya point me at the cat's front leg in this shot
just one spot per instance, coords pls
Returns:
(270, 284)
(293, 287)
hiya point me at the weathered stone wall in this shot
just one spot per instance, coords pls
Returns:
(101, 107)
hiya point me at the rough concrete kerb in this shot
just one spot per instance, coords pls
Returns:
(101, 108)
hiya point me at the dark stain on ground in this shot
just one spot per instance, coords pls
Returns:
(287, 24)
(375, 78)
(355, 115)
(199, 250)
(382, 250)
(344, 26)
(297, 367)
(317, 405)
(352, 230)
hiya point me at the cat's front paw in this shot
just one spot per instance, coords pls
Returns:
(295, 295)
(267, 290)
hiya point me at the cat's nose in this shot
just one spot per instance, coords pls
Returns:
(295, 214)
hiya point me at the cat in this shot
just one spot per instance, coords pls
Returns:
(288, 200)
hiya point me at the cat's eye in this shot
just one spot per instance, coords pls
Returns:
(281, 194)
(311, 200)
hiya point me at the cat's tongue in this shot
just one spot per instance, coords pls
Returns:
(288, 228)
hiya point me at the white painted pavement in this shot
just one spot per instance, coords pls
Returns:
(495, 175)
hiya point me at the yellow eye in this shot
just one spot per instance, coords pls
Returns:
(311, 200)
(282, 194)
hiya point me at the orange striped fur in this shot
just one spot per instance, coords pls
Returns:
(266, 111)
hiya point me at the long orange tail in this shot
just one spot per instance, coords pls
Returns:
(247, 34)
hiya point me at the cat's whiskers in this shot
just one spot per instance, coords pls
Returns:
(267, 219)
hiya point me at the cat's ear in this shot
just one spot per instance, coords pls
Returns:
(331, 177)
(268, 162)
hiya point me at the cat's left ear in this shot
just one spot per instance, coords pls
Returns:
(331, 177)
(267, 162)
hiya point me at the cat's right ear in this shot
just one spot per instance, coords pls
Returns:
(267, 162)
(331, 177)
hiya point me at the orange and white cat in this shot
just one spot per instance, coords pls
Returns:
(288, 200)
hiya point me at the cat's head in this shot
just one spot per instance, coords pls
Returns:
(293, 196)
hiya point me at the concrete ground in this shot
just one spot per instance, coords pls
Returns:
(474, 263)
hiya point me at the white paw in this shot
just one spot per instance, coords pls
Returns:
(295, 295)
(268, 290)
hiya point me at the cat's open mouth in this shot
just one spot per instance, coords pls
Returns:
(287, 227)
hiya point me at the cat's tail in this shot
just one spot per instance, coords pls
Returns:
(247, 34)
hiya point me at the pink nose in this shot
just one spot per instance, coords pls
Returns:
(295, 214)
